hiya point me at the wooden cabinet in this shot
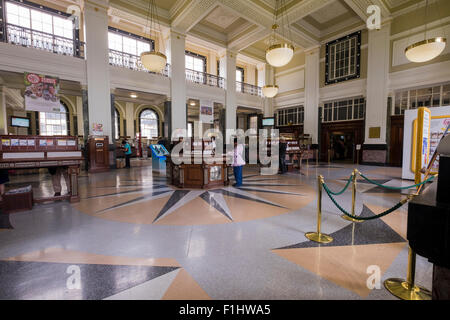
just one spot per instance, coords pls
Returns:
(98, 154)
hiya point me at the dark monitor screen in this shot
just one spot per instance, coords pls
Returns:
(20, 122)
(268, 122)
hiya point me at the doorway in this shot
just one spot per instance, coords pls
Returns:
(339, 141)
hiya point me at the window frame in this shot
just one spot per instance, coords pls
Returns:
(196, 55)
(330, 109)
(408, 98)
(328, 46)
(132, 36)
(157, 121)
(297, 112)
(67, 113)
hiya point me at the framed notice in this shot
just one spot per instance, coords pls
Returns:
(62, 142)
(31, 143)
(23, 143)
(42, 143)
(71, 143)
(206, 111)
(14, 142)
(6, 142)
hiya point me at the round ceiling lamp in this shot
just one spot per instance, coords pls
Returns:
(153, 60)
(425, 50)
(270, 91)
(280, 53)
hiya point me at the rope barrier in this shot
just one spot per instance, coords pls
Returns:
(397, 206)
(396, 188)
(345, 188)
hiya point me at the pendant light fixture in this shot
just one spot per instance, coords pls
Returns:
(427, 49)
(280, 53)
(270, 91)
(153, 60)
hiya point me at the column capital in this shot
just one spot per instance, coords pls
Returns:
(96, 4)
(313, 50)
(177, 34)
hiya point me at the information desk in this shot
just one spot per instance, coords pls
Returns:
(197, 175)
(31, 152)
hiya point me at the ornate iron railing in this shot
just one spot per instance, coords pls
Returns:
(30, 38)
(205, 78)
(130, 61)
(248, 88)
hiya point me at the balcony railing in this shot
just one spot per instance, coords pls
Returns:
(130, 61)
(205, 78)
(248, 88)
(25, 37)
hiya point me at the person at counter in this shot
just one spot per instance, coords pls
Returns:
(56, 173)
(127, 149)
(238, 162)
(282, 155)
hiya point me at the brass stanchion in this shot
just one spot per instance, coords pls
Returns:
(407, 290)
(343, 216)
(318, 236)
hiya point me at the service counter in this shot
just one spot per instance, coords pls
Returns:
(195, 172)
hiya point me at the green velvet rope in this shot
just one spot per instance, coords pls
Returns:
(343, 190)
(396, 188)
(398, 205)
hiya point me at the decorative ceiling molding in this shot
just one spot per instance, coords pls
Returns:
(360, 7)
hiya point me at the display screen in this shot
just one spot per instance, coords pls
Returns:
(268, 122)
(20, 122)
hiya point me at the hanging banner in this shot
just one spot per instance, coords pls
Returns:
(41, 93)
(206, 111)
(423, 137)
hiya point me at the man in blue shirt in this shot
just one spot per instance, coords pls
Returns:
(127, 149)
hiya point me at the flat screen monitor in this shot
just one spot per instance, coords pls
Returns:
(268, 122)
(20, 122)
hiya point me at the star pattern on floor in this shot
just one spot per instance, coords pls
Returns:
(57, 273)
(156, 200)
(354, 248)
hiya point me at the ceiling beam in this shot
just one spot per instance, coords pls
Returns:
(360, 7)
(190, 12)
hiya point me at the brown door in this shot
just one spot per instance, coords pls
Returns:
(396, 142)
(353, 133)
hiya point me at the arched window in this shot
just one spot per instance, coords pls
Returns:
(54, 123)
(148, 120)
(116, 124)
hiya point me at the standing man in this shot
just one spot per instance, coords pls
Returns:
(282, 155)
(127, 149)
(238, 163)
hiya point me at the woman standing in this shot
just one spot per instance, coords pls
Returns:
(238, 163)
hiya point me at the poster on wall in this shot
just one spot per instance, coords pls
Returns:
(422, 141)
(41, 93)
(438, 126)
(97, 129)
(206, 111)
(440, 117)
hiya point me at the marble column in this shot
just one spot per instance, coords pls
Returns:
(375, 148)
(97, 64)
(85, 107)
(3, 115)
(312, 75)
(228, 71)
(178, 82)
(129, 115)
